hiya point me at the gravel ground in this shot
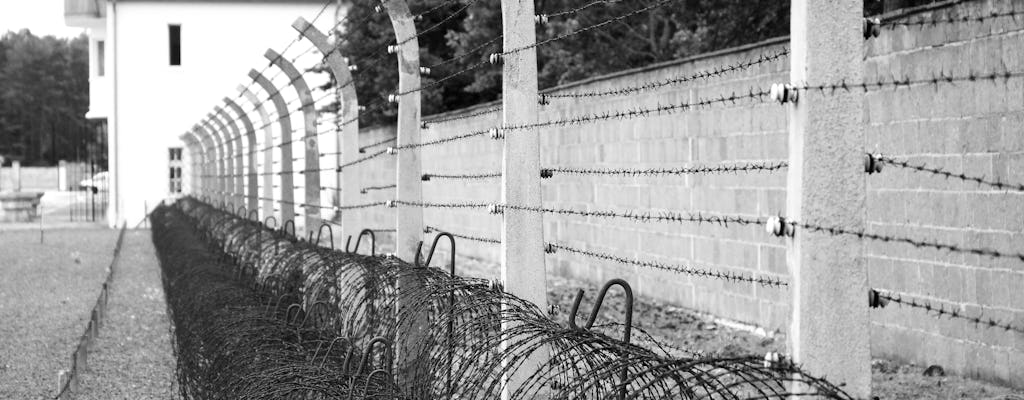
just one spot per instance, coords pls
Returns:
(46, 293)
(686, 332)
(133, 358)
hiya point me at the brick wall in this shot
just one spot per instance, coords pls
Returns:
(976, 127)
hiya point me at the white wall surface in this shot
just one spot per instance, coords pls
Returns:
(157, 102)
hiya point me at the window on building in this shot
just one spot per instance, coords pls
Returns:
(174, 155)
(101, 60)
(175, 35)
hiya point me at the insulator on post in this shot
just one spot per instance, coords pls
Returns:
(389, 204)
(776, 226)
(378, 8)
(549, 248)
(495, 58)
(773, 359)
(353, 68)
(875, 299)
(541, 19)
(497, 133)
(872, 164)
(494, 209)
(392, 151)
(392, 48)
(783, 93)
(546, 173)
(425, 178)
(872, 27)
(392, 98)
(347, 60)
(424, 125)
(425, 71)
(362, 108)
(543, 100)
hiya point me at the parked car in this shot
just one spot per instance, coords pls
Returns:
(96, 183)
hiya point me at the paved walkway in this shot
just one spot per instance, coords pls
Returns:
(133, 358)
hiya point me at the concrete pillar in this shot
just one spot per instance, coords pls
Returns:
(349, 134)
(237, 171)
(267, 192)
(522, 235)
(284, 120)
(310, 139)
(250, 190)
(829, 333)
(217, 163)
(227, 158)
(409, 225)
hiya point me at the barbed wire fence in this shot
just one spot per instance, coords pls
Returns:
(265, 255)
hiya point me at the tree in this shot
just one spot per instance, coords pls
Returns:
(44, 94)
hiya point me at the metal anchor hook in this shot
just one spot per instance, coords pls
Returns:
(597, 308)
(430, 256)
(288, 313)
(373, 242)
(367, 356)
(284, 229)
(331, 347)
(266, 222)
(254, 215)
(320, 231)
(369, 378)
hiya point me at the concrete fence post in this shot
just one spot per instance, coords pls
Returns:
(349, 183)
(217, 164)
(522, 235)
(829, 333)
(194, 152)
(251, 189)
(409, 184)
(284, 121)
(267, 193)
(206, 169)
(236, 171)
(310, 139)
(226, 157)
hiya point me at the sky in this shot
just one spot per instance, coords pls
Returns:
(42, 17)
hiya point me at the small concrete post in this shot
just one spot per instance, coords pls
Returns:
(284, 120)
(228, 155)
(16, 175)
(237, 170)
(312, 155)
(409, 187)
(829, 334)
(349, 135)
(194, 152)
(251, 189)
(522, 236)
(268, 152)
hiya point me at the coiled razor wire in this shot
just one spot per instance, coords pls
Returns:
(261, 314)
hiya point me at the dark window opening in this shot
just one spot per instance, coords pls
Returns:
(175, 33)
(174, 156)
(101, 61)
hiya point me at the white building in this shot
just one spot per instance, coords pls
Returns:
(158, 66)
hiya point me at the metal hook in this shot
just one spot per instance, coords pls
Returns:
(266, 222)
(254, 215)
(321, 231)
(288, 313)
(329, 348)
(369, 378)
(367, 354)
(597, 308)
(284, 228)
(373, 242)
(430, 256)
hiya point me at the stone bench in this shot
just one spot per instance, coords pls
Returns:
(19, 206)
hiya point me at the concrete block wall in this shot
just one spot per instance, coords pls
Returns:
(974, 127)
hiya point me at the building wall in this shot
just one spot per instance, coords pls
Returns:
(157, 102)
(975, 127)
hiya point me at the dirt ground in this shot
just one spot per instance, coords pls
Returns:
(46, 293)
(686, 333)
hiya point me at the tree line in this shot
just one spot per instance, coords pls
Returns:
(44, 95)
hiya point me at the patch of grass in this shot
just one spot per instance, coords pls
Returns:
(46, 293)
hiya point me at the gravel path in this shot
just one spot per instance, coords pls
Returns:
(133, 357)
(46, 293)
